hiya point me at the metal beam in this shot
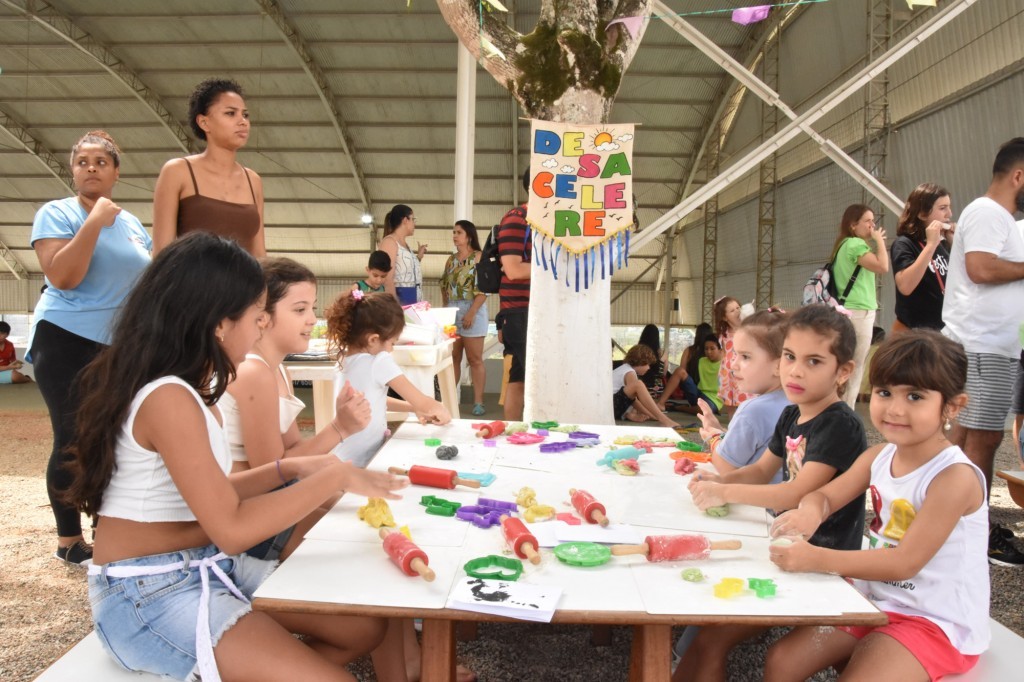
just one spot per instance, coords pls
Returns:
(323, 90)
(710, 263)
(805, 120)
(876, 98)
(768, 177)
(53, 21)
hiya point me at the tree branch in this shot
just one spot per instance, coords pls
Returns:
(464, 19)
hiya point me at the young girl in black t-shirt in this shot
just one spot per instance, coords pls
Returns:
(816, 439)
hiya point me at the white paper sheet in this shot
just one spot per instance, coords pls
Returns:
(502, 598)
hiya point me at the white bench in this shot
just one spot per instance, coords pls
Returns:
(88, 662)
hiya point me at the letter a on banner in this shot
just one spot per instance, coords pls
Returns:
(581, 198)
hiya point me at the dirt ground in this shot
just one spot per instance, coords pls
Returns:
(44, 608)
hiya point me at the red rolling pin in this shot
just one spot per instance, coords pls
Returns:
(406, 555)
(675, 547)
(495, 428)
(590, 509)
(434, 478)
(522, 541)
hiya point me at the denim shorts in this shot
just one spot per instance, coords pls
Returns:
(148, 623)
(479, 326)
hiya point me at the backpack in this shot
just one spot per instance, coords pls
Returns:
(488, 270)
(821, 288)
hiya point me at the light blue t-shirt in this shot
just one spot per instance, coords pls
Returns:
(121, 254)
(751, 429)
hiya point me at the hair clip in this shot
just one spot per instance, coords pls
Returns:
(720, 299)
(357, 294)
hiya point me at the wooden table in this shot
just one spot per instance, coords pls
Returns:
(420, 364)
(340, 568)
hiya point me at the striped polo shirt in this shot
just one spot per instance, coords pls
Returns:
(512, 241)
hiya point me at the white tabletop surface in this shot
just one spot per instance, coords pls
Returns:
(342, 560)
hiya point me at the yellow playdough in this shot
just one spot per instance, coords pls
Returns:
(376, 512)
(901, 515)
(538, 512)
(526, 497)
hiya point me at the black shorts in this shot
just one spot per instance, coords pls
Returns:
(621, 403)
(513, 334)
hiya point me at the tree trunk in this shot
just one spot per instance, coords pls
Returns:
(568, 70)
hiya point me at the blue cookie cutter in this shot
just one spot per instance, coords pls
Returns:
(485, 479)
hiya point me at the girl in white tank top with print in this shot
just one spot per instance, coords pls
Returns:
(926, 565)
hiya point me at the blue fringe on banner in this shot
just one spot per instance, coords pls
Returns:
(547, 253)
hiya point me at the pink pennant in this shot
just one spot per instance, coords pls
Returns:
(632, 24)
(750, 15)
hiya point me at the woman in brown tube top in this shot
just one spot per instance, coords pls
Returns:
(211, 191)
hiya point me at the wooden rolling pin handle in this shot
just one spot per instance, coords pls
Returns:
(384, 533)
(726, 544)
(601, 519)
(398, 471)
(531, 553)
(623, 550)
(425, 571)
(468, 482)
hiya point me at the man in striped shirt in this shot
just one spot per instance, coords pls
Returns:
(514, 292)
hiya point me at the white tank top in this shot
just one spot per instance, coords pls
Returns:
(407, 266)
(289, 408)
(952, 590)
(141, 488)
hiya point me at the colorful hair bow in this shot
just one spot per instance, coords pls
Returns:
(357, 294)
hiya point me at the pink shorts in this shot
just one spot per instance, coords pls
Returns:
(922, 638)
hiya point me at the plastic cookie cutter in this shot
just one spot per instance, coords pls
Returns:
(586, 442)
(728, 588)
(481, 517)
(569, 518)
(687, 446)
(763, 587)
(581, 435)
(490, 443)
(582, 553)
(432, 442)
(438, 506)
(494, 567)
(544, 425)
(500, 505)
(525, 439)
(485, 478)
(542, 432)
(560, 446)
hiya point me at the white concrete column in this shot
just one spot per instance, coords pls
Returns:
(465, 132)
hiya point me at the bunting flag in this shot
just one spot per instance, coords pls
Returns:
(580, 207)
(632, 24)
(745, 16)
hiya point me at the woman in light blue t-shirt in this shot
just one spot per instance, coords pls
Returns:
(91, 252)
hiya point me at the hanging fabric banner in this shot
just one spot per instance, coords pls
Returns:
(581, 197)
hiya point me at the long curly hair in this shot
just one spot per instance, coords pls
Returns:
(354, 316)
(167, 328)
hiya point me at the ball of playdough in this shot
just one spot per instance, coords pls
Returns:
(693, 575)
(718, 512)
(782, 542)
(446, 452)
(684, 466)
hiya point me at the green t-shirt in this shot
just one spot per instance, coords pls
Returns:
(862, 296)
(707, 372)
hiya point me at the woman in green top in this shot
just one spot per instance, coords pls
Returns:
(705, 385)
(458, 289)
(852, 257)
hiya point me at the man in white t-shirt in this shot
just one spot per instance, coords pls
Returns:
(983, 308)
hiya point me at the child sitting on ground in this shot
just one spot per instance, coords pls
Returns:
(931, 521)
(9, 362)
(377, 269)
(687, 363)
(631, 400)
(816, 439)
(705, 387)
(364, 329)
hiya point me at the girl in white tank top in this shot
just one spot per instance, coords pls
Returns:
(926, 561)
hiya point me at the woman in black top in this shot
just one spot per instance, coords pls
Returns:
(920, 257)
(654, 379)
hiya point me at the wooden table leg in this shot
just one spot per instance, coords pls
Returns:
(437, 657)
(449, 391)
(650, 659)
(323, 403)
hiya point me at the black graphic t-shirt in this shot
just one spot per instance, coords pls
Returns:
(923, 307)
(836, 438)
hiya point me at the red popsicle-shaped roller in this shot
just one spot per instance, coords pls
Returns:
(434, 478)
(495, 428)
(406, 555)
(522, 541)
(676, 547)
(590, 509)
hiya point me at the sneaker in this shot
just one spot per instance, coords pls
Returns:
(1001, 551)
(479, 409)
(79, 553)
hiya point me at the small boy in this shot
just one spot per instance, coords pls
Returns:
(631, 399)
(9, 363)
(377, 269)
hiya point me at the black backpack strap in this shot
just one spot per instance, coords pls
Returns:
(849, 285)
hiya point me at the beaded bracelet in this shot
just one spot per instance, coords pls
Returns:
(713, 440)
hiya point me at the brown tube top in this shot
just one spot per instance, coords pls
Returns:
(240, 222)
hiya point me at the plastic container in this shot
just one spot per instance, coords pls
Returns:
(419, 334)
(443, 316)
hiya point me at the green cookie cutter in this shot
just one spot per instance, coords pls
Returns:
(687, 446)
(544, 425)
(438, 506)
(582, 553)
(494, 567)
